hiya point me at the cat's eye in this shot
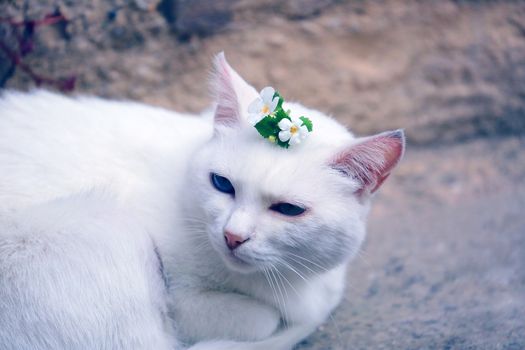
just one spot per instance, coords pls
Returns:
(222, 184)
(287, 209)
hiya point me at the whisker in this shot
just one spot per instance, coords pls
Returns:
(270, 283)
(285, 264)
(285, 311)
(300, 263)
(309, 261)
(281, 305)
(363, 256)
(289, 283)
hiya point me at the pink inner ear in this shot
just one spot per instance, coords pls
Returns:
(372, 160)
(227, 112)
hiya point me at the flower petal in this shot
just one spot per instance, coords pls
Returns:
(298, 122)
(267, 94)
(284, 135)
(295, 139)
(303, 130)
(255, 106)
(254, 118)
(285, 124)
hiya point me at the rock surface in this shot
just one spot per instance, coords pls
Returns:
(446, 71)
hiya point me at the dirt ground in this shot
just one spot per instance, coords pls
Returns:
(444, 263)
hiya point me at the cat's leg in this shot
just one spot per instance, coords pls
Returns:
(214, 315)
(75, 274)
(284, 340)
(311, 306)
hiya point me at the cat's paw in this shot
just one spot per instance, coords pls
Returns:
(230, 316)
(216, 345)
(260, 323)
(230, 345)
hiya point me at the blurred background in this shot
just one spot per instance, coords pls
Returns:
(444, 264)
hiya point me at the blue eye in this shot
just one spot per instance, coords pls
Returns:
(287, 209)
(222, 184)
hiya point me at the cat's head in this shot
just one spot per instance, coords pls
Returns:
(298, 208)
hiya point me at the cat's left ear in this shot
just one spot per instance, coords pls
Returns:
(371, 160)
(232, 93)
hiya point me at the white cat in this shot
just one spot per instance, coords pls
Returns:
(124, 226)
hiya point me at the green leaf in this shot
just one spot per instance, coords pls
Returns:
(283, 144)
(281, 100)
(281, 114)
(267, 126)
(308, 123)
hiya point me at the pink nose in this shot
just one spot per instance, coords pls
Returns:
(233, 240)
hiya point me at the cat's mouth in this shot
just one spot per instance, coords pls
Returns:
(236, 258)
(237, 263)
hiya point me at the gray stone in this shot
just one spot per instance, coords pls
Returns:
(201, 17)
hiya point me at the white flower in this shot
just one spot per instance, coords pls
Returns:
(263, 105)
(293, 130)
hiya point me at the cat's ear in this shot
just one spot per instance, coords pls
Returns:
(232, 94)
(371, 159)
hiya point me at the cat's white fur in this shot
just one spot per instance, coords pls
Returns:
(111, 234)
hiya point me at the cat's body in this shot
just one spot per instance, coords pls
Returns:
(109, 223)
(93, 154)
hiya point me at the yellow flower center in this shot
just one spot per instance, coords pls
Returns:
(293, 129)
(265, 109)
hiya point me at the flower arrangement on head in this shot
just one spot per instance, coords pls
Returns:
(267, 115)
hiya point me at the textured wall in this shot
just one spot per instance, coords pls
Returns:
(446, 71)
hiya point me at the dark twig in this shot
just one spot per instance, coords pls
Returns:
(24, 33)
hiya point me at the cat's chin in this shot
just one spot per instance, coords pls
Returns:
(237, 264)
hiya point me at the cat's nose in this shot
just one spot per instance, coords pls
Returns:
(233, 240)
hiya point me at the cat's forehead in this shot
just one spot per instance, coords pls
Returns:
(269, 170)
(258, 157)
(248, 159)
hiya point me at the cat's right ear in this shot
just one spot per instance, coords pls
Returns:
(371, 159)
(232, 94)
